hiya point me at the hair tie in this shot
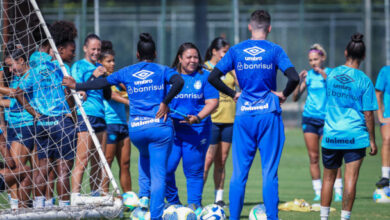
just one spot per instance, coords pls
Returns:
(317, 51)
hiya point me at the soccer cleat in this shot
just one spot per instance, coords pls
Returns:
(144, 202)
(317, 197)
(197, 209)
(221, 203)
(383, 182)
(338, 197)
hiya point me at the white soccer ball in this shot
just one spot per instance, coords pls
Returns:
(382, 195)
(212, 212)
(130, 200)
(258, 213)
(140, 214)
(170, 212)
(184, 213)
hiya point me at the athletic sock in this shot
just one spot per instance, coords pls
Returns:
(317, 185)
(218, 195)
(39, 202)
(345, 215)
(49, 202)
(338, 186)
(14, 203)
(386, 172)
(324, 213)
(63, 203)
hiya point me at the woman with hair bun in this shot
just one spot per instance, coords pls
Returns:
(349, 125)
(117, 141)
(150, 129)
(313, 115)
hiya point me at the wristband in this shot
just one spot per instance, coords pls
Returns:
(198, 119)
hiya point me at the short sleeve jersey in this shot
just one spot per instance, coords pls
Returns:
(316, 94)
(48, 93)
(18, 115)
(256, 63)
(350, 92)
(383, 84)
(227, 106)
(82, 71)
(115, 112)
(146, 85)
(191, 99)
(38, 57)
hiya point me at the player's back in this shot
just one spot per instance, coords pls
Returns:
(256, 63)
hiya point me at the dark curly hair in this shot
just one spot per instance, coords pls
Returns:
(63, 33)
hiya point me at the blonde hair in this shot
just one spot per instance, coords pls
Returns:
(319, 49)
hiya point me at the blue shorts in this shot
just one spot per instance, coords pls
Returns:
(116, 133)
(2, 183)
(312, 125)
(98, 124)
(332, 159)
(56, 137)
(23, 135)
(221, 132)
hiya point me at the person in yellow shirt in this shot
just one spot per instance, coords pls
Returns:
(222, 118)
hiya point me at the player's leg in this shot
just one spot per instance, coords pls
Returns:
(270, 142)
(159, 150)
(171, 193)
(123, 157)
(210, 155)
(385, 152)
(338, 187)
(312, 145)
(84, 143)
(110, 150)
(41, 181)
(193, 166)
(243, 153)
(332, 160)
(353, 160)
(95, 179)
(20, 175)
(220, 161)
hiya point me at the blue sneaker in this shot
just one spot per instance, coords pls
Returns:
(317, 197)
(197, 209)
(144, 202)
(338, 197)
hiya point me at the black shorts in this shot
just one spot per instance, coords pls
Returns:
(332, 159)
(98, 124)
(116, 133)
(2, 183)
(312, 125)
(221, 132)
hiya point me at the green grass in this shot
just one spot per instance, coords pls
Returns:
(294, 182)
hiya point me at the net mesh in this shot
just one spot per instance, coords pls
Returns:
(42, 155)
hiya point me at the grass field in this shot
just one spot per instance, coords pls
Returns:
(294, 182)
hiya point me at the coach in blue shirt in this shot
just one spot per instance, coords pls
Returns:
(258, 123)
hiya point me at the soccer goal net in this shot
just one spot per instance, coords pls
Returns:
(46, 170)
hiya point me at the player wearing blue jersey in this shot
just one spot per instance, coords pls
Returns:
(117, 142)
(85, 70)
(258, 123)
(349, 126)
(383, 96)
(314, 114)
(192, 134)
(150, 129)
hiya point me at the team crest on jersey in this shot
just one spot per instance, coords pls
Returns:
(198, 84)
(254, 50)
(143, 74)
(344, 78)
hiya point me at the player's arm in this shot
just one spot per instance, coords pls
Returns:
(370, 124)
(20, 97)
(10, 92)
(292, 83)
(96, 84)
(118, 98)
(302, 86)
(379, 98)
(215, 80)
(8, 161)
(5, 103)
(177, 84)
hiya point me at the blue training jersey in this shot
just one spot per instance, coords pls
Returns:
(17, 114)
(256, 63)
(115, 112)
(191, 99)
(383, 84)
(146, 85)
(316, 94)
(350, 92)
(82, 71)
(38, 57)
(48, 93)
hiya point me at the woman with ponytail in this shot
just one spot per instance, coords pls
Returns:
(150, 129)
(349, 125)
